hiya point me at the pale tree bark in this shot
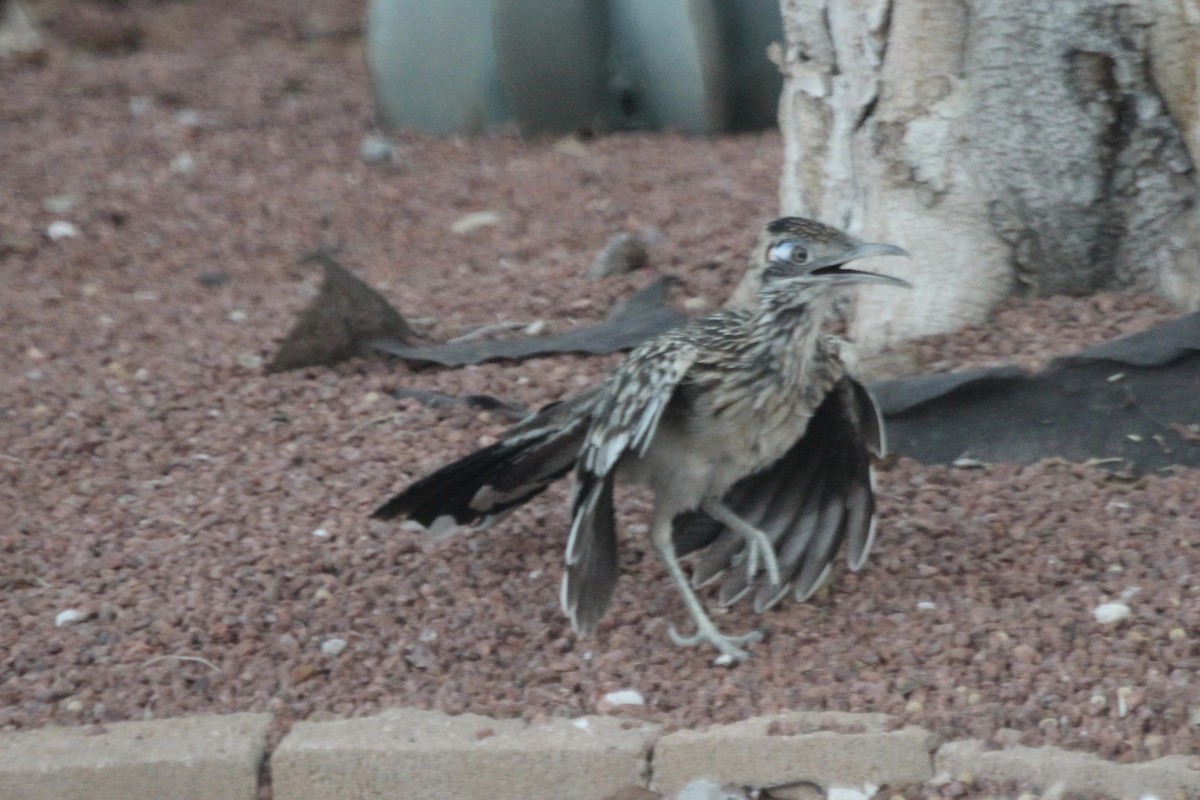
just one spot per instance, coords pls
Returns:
(1040, 146)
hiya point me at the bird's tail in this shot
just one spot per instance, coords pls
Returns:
(496, 478)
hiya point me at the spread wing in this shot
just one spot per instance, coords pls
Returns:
(625, 418)
(819, 494)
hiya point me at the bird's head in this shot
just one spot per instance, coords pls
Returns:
(802, 251)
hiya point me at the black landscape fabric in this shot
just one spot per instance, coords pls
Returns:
(1133, 401)
(643, 316)
(348, 318)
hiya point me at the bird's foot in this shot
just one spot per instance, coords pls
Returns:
(759, 547)
(758, 544)
(707, 632)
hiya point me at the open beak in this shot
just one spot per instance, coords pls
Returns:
(838, 273)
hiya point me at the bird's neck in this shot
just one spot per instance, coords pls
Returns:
(787, 327)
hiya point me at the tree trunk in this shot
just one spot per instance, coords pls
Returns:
(1039, 146)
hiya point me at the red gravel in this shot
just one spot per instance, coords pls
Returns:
(159, 483)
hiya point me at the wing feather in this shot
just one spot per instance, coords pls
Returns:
(819, 494)
(626, 415)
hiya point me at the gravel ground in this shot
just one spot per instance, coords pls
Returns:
(209, 525)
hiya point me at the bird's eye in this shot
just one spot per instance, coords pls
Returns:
(788, 253)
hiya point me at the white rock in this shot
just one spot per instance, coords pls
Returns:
(376, 150)
(321, 533)
(571, 145)
(61, 229)
(625, 697)
(188, 118)
(474, 221)
(183, 164)
(333, 647)
(249, 360)
(926, 605)
(1111, 612)
(581, 723)
(67, 617)
(139, 104)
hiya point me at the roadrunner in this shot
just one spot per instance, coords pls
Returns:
(754, 439)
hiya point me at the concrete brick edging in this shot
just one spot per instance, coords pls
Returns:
(423, 754)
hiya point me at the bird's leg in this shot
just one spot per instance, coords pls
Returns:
(706, 631)
(757, 543)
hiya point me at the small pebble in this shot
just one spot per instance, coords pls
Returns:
(61, 229)
(183, 164)
(625, 697)
(333, 647)
(571, 145)
(188, 118)
(926, 605)
(474, 221)
(67, 617)
(624, 252)
(321, 533)
(249, 360)
(1123, 694)
(376, 150)
(237, 315)
(1106, 613)
(536, 328)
